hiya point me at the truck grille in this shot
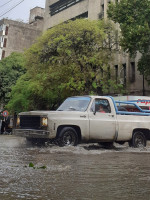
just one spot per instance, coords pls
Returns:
(31, 122)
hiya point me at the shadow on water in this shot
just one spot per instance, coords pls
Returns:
(115, 147)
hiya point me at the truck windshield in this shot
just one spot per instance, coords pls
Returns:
(75, 104)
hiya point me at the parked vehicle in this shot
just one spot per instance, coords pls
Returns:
(6, 125)
(79, 119)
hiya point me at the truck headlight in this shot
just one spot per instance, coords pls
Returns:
(18, 121)
(44, 121)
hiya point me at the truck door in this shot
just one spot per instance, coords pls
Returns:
(102, 119)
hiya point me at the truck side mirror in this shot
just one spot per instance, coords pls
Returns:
(93, 110)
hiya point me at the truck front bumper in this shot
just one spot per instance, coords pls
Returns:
(31, 133)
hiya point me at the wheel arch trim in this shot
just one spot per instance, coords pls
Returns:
(145, 131)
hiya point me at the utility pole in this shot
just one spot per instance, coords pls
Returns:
(143, 86)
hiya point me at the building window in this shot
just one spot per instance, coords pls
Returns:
(3, 54)
(101, 15)
(108, 71)
(117, 40)
(82, 16)
(132, 72)
(62, 5)
(116, 73)
(5, 41)
(6, 30)
(124, 75)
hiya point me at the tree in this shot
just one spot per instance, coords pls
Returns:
(134, 20)
(11, 68)
(24, 96)
(72, 58)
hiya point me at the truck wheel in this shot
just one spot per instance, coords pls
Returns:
(68, 137)
(138, 140)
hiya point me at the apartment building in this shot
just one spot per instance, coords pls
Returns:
(57, 11)
(17, 36)
(125, 68)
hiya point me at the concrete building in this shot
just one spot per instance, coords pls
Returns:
(37, 17)
(16, 36)
(125, 68)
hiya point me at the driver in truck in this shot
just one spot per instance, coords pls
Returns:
(101, 109)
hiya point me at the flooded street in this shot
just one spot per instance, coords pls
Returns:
(84, 172)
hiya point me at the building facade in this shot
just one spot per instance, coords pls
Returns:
(57, 11)
(17, 36)
(125, 68)
(36, 17)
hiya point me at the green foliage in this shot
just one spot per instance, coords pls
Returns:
(11, 68)
(24, 96)
(33, 166)
(134, 20)
(69, 59)
(143, 65)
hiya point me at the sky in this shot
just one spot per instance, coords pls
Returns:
(18, 9)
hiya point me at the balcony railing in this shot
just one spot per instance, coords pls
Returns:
(62, 5)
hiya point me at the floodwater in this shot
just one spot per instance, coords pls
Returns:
(85, 172)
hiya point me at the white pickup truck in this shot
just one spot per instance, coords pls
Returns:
(90, 119)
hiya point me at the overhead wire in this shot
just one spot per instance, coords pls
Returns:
(11, 8)
(5, 3)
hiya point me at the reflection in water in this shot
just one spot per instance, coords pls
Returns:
(72, 173)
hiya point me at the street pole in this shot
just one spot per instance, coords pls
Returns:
(143, 86)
